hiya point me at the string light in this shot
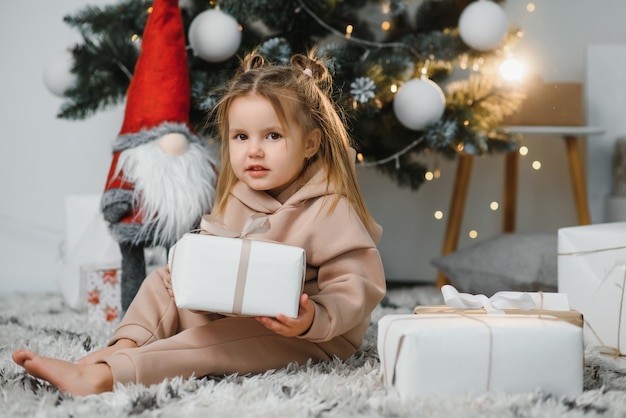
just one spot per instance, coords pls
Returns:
(329, 28)
(536, 165)
(385, 7)
(349, 30)
(429, 176)
(438, 215)
(530, 7)
(512, 69)
(494, 206)
(523, 150)
(473, 234)
(395, 156)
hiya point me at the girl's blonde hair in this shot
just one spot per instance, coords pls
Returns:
(307, 80)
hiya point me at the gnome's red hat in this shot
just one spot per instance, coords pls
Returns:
(159, 90)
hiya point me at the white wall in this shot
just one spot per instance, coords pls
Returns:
(43, 159)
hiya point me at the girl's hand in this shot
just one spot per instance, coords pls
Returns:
(291, 327)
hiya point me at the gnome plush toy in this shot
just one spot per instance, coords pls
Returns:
(162, 175)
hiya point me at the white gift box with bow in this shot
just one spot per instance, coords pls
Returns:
(592, 272)
(231, 274)
(456, 353)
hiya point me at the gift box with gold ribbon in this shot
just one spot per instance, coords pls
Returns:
(471, 349)
(217, 270)
(592, 272)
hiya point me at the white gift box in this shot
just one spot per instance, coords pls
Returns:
(101, 292)
(447, 354)
(237, 276)
(592, 272)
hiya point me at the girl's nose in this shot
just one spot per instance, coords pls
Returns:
(255, 148)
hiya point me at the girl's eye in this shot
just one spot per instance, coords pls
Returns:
(274, 136)
(239, 137)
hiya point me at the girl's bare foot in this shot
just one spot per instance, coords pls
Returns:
(98, 355)
(79, 380)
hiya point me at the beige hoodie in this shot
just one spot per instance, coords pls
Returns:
(345, 277)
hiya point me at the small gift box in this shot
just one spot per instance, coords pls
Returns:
(101, 292)
(456, 351)
(232, 274)
(592, 272)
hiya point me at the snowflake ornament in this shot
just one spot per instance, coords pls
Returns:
(362, 89)
(278, 48)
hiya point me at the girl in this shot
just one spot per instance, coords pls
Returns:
(285, 153)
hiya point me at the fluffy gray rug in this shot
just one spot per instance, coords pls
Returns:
(339, 389)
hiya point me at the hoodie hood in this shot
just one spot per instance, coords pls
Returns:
(312, 184)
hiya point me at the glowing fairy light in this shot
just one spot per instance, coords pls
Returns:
(349, 30)
(523, 150)
(473, 234)
(536, 165)
(530, 7)
(429, 176)
(438, 215)
(512, 69)
(494, 206)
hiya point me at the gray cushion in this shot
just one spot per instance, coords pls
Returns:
(515, 261)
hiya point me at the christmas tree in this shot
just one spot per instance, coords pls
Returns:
(414, 79)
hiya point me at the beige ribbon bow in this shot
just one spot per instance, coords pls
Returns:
(256, 224)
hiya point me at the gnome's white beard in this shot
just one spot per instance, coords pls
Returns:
(172, 191)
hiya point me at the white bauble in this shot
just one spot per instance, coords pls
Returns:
(57, 74)
(214, 35)
(483, 25)
(418, 103)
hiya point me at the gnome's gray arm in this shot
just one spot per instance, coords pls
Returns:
(116, 204)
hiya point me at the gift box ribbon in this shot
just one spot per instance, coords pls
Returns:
(256, 224)
(505, 300)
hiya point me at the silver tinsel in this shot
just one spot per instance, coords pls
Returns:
(363, 89)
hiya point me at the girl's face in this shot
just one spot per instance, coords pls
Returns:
(264, 154)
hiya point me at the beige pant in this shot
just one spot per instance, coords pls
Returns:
(178, 342)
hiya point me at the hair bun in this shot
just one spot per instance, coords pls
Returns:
(310, 66)
(252, 61)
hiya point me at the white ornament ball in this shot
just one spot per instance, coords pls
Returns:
(214, 35)
(483, 25)
(57, 74)
(418, 103)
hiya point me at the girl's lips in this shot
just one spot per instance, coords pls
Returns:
(256, 170)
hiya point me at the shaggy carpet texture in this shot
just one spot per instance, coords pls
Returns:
(43, 323)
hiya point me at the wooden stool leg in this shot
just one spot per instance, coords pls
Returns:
(509, 201)
(578, 179)
(457, 206)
